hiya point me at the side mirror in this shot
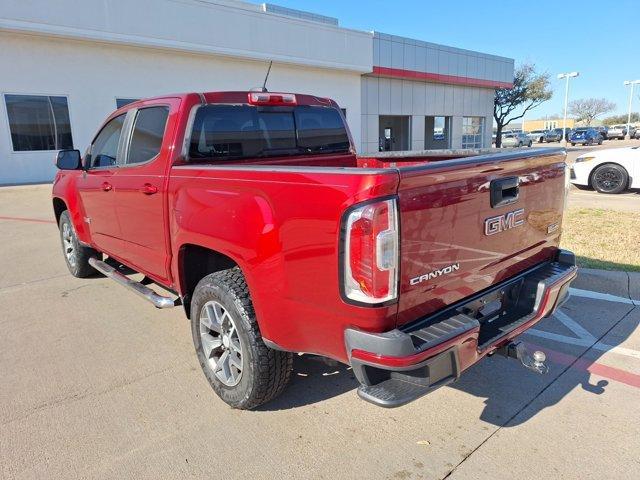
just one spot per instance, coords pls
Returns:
(69, 160)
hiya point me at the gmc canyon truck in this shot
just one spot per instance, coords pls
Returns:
(253, 211)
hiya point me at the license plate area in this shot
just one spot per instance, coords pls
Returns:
(499, 309)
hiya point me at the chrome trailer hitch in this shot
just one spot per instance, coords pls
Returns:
(534, 361)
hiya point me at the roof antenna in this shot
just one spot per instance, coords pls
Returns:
(264, 85)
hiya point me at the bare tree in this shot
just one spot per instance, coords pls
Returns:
(586, 110)
(529, 90)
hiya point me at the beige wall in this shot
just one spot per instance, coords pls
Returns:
(93, 74)
(543, 124)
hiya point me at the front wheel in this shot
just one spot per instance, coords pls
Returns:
(240, 368)
(76, 255)
(609, 178)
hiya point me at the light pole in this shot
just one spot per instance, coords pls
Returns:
(632, 83)
(566, 100)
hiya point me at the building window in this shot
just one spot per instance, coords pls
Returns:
(472, 132)
(38, 122)
(550, 124)
(121, 102)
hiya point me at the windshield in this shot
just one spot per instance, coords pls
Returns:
(243, 131)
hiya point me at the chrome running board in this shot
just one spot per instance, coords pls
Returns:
(145, 292)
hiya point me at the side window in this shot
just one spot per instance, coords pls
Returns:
(146, 138)
(104, 149)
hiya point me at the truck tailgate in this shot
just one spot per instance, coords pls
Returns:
(457, 238)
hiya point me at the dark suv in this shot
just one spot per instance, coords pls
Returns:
(555, 135)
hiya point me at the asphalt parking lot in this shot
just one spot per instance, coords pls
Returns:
(98, 384)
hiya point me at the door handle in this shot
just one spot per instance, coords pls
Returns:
(106, 186)
(149, 189)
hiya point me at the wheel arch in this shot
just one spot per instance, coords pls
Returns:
(59, 206)
(194, 263)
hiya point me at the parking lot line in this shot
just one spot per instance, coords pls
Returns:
(602, 296)
(605, 371)
(24, 219)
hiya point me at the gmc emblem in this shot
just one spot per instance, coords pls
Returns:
(504, 222)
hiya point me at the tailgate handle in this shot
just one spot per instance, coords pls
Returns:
(504, 191)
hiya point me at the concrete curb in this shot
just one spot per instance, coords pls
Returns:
(612, 282)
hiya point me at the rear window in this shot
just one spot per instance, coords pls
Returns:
(243, 131)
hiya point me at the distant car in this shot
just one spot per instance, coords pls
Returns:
(636, 133)
(555, 135)
(585, 136)
(516, 140)
(608, 171)
(537, 135)
(617, 131)
(602, 130)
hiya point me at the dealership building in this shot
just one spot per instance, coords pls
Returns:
(66, 65)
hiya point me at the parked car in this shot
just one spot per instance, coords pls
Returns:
(636, 133)
(555, 135)
(608, 171)
(617, 131)
(602, 130)
(516, 140)
(585, 136)
(537, 135)
(275, 237)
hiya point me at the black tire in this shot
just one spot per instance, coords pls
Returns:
(265, 372)
(573, 144)
(609, 178)
(530, 143)
(76, 255)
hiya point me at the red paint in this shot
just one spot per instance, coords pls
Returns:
(282, 226)
(599, 369)
(438, 78)
(23, 219)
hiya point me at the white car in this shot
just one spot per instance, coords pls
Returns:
(608, 171)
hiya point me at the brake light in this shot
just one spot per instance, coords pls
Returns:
(370, 260)
(266, 98)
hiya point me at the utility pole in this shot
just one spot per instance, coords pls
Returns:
(567, 76)
(632, 83)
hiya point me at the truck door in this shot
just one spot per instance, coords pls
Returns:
(140, 191)
(95, 186)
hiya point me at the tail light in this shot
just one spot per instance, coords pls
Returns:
(266, 98)
(370, 262)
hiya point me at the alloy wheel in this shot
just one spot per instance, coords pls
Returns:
(68, 244)
(220, 343)
(608, 179)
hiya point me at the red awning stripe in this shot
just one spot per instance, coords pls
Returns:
(438, 78)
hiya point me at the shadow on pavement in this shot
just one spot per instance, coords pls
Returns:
(314, 380)
(506, 386)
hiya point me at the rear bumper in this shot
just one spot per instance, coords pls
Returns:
(401, 365)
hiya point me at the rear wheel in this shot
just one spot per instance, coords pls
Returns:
(76, 255)
(240, 368)
(609, 178)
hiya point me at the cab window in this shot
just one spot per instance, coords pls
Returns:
(147, 134)
(104, 149)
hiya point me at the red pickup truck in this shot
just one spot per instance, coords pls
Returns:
(253, 211)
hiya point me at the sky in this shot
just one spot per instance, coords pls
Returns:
(599, 39)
